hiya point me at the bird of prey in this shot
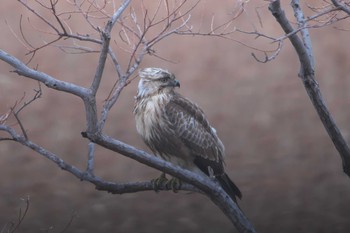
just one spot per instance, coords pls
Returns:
(177, 130)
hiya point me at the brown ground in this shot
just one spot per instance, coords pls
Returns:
(277, 150)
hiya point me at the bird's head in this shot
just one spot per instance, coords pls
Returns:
(156, 80)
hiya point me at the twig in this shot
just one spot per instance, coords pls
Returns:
(271, 57)
(69, 222)
(38, 15)
(110, 102)
(16, 112)
(4, 117)
(13, 227)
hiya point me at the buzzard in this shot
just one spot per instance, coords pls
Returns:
(177, 130)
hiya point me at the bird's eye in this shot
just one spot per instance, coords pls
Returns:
(163, 80)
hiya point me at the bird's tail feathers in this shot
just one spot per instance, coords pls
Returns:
(230, 188)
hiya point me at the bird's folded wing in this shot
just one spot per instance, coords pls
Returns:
(192, 127)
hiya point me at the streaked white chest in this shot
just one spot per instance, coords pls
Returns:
(148, 114)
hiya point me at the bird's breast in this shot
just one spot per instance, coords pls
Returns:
(148, 113)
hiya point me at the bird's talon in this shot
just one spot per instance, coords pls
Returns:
(174, 184)
(157, 183)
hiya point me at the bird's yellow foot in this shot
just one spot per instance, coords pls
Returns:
(174, 184)
(159, 182)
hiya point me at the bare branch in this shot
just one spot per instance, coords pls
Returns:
(25, 42)
(101, 63)
(271, 57)
(105, 46)
(22, 69)
(299, 15)
(307, 75)
(61, 32)
(156, 28)
(21, 216)
(117, 66)
(20, 124)
(76, 49)
(38, 15)
(112, 187)
(91, 159)
(4, 117)
(22, 34)
(324, 11)
(119, 12)
(69, 223)
(342, 5)
(110, 102)
(210, 188)
(166, 34)
(53, 9)
(15, 111)
(102, 60)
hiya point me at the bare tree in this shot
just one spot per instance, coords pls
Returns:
(137, 31)
(328, 13)
(303, 46)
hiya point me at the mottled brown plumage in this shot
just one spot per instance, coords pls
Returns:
(177, 130)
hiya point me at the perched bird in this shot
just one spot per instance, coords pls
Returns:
(177, 130)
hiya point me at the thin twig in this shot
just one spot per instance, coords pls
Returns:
(21, 217)
(25, 4)
(73, 216)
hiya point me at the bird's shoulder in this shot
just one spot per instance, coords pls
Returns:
(179, 107)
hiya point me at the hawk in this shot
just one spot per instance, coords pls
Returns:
(177, 130)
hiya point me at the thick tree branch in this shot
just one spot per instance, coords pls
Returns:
(83, 93)
(210, 188)
(307, 75)
(112, 187)
(341, 5)
(207, 186)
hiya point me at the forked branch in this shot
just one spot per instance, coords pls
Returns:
(174, 22)
(302, 46)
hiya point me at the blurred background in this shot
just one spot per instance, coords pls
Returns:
(278, 152)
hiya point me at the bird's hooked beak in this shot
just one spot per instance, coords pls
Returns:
(175, 83)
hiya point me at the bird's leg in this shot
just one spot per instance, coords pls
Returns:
(174, 184)
(159, 182)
